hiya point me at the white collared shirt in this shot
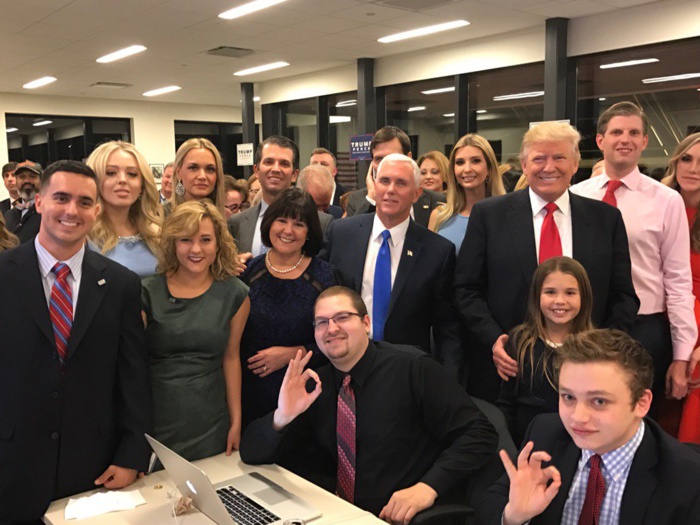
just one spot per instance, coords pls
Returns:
(562, 218)
(398, 237)
(48, 261)
(257, 239)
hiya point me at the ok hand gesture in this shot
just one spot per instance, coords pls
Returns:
(294, 399)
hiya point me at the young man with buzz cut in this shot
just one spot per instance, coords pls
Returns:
(600, 460)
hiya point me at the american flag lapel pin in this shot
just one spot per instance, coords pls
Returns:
(409, 253)
(101, 282)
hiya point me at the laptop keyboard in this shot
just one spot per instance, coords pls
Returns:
(244, 510)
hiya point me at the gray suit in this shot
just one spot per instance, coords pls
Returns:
(242, 226)
(357, 203)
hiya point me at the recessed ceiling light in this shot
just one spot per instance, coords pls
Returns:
(161, 91)
(246, 9)
(628, 63)
(256, 99)
(416, 108)
(10, 130)
(39, 82)
(602, 99)
(337, 119)
(685, 76)
(122, 53)
(42, 122)
(481, 111)
(514, 96)
(448, 115)
(437, 91)
(260, 69)
(423, 31)
(346, 103)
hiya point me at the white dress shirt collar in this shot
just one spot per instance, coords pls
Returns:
(538, 203)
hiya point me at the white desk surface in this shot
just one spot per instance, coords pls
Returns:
(158, 511)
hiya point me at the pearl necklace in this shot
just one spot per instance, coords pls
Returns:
(267, 260)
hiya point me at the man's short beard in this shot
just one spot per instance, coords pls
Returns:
(27, 192)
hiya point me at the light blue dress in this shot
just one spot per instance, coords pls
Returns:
(133, 252)
(453, 229)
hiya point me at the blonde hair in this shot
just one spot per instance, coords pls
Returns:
(438, 158)
(218, 196)
(550, 132)
(184, 221)
(670, 180)
(145, 213)
(456, 197)
(7, 240)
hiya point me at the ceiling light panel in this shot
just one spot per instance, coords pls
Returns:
(161, 91)
(122, 53)
(246, 9)
(423, 31)
(39, 82)
(629, 63)
(260, 69)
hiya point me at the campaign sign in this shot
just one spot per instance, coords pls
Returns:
(359, 147)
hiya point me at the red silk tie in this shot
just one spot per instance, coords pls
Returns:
(595, 492)
(345, 435)
(550, 242)
(609, 196)
(61, 309)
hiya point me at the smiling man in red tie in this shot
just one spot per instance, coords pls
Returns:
(385, 427)
(74, 385)
(509, 235)
(599, 461)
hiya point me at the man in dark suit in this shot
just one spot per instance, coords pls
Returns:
(317, 181)
(277, 167)
(22, 219)
(74, 386)
(418, 284)
(414, 436)
(387, 140)
(8, 179)
(599, 460)
(504, 243)
(323, 157)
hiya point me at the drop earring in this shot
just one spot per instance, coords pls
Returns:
(180, 188)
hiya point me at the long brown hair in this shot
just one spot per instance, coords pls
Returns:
(7, 240)
(525, 336)
(670, 180)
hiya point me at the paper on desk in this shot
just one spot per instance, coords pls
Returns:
(102, 503)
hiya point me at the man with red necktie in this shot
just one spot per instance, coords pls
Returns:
(74, 384)
(659, 241)
(509, 235)
(391, 431)
(599, 461)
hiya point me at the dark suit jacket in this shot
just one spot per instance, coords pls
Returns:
(339, 192)
(662, 487)
(5, 206)
(498, 259)
(421, 297)
(335, 211)
(25, 227)
(57, 435)
(422, 208)
(242, 226)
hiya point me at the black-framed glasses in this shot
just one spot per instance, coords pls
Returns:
(321, 323)
(233, 208)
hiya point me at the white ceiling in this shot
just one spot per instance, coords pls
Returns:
(62, 38)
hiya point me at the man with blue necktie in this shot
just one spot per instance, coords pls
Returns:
(402, 270)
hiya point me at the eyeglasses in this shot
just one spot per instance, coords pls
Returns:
(321, 323)
(233, 208)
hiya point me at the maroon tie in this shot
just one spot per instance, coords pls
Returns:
(345, 435)
(609, 196)
(550, 242)
(595, 492)
(61, 309)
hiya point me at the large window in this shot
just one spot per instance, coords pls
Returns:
(342, 117)
(48, 138)
(671, 102)
(301, 125)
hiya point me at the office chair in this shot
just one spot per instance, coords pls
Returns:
(479, 481)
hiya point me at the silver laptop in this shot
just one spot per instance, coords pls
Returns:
(250, 499)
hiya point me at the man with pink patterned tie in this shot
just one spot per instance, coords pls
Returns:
(390, 430)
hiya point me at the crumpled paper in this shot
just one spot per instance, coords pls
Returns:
(102, 503)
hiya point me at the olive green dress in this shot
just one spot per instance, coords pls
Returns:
(187, 339)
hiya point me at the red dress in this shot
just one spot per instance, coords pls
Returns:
(689, 429)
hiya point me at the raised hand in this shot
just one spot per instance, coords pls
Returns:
(294, 399)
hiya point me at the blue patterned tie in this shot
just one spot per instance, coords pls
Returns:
(382, 288)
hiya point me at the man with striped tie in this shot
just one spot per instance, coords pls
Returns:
(389, 431)
(74, 383)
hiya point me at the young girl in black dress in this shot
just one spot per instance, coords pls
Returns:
(559, 304)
